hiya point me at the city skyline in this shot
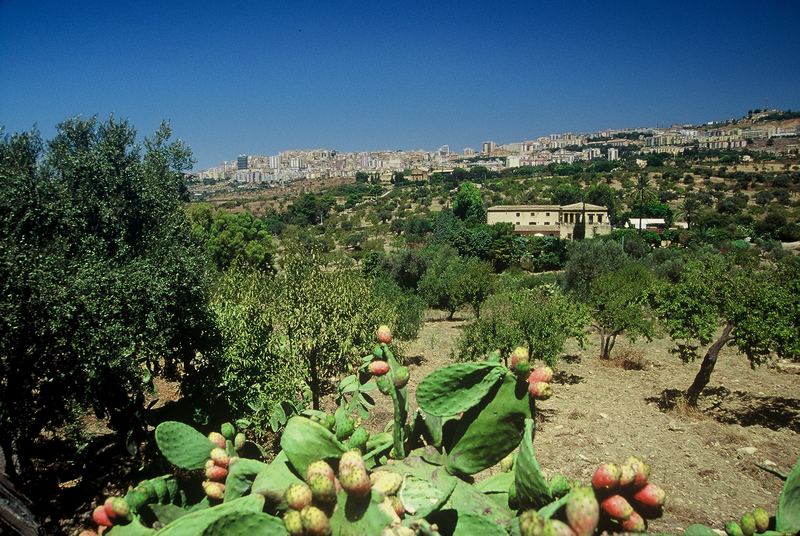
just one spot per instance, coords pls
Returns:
(260, 79)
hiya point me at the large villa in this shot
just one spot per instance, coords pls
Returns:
(552, 220)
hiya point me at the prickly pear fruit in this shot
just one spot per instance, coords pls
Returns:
(543, 374)
(641, 470)
(355, 481)
(329, 422)
(606, 477)
(238, 441)
(507, 463)
(650, 495)
(386, 482)
(559, 485)
(216, 473)
(100, 517)
(322, 489)
(214, 490)
(582, 511)
(748, 524)
(732, 528)
(293, 523)
(345, 428)
(315, 522)
(761, 518)
(540, 390)
(626, 474)
(378, 368)
(377, 352)
(351, 460)
(321, 468)
(228, 431)
(117, 510)
(401, 376)
(298, 496)
(519, 355)
(220, 457)
(217, 439)
(531, 523)
(397, 504)
(359, 439)
(521, 370)
(617, 507)
(384, 334)
(635, 523)
(554, 527)
(384, 384)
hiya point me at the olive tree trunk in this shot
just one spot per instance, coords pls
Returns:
(707, 366)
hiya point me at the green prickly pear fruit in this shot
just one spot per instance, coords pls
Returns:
(606, 477)
(345, 428)
(635, 523)
(355, 481)
(214, 490)
(315, 522)
(507, 463)
(384, 384)
(732, 528)
(386, 482)
(761, 518)
(384, 334)
(531, 523)
(238, 441)
(351, 460)
(298, 496)
(401, 377)
(215, 473)
(650, 495)
(582, 511)
(220, 457)
(228, 431)
(323, 490)
(540, 390)
(136, 499)
(559, 485)
(543, 374)
(554, 527)
(377, 352)
(519, 355)
(617, 507)
(100, 517)
(217, 439)
(321, 468)
(359, 439)
(748, 524)
(641, 470)
(329, 422)
(378, 368)
(521, 369)
(117, 510)
(293, 523)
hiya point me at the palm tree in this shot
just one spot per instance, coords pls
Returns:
(689, 209)
(644, 192)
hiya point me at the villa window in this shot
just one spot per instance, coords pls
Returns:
(517, 214)
(591, 218)
(599, 218)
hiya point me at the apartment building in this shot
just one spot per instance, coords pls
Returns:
(552, 220)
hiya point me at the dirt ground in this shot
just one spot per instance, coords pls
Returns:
(601, 411)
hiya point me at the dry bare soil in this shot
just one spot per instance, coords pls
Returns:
(601, 411)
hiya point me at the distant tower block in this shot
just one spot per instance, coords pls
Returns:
(488, 147)
(613, 153)
(241, 162)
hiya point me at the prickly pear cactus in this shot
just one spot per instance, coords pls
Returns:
(182, 445)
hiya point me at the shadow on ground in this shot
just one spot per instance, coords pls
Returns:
(739, 407)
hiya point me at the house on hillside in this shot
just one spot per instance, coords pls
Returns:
(552, 220)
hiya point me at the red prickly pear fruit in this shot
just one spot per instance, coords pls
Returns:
(220, 457)
(100, 517)
(355, 481)
(761, 518)
(217, 439)
(627, 474)
(401, 377)
(606, 477)
(650, 495)
(322, 489)
(337, 485)
(117, 509)
(378, 368)
(228, 431)
(397, 504)
(293, 523)
(351, 459)
(209, 463)
(315, 522)
(543, 374)
(554, 527)
(214, 490)
(582, 511)
(298, 496)
(519, 355)
(238, 441)
(540, 390)
(641, 470)
(321, 468)
(216, 473)
(635, 523)
(384, 334)
(617, 507)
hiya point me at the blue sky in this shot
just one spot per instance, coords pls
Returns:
(261, 77)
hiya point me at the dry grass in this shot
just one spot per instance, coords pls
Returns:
(684, 410)
(628, 358)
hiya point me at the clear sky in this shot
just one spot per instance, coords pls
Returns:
(261, 77)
